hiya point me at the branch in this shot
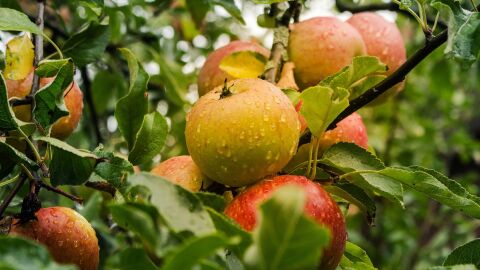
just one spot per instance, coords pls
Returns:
(91, 105)
(102, 186)
(342, 6)
(38, 45)
(12, 193)
(23, 101)
(61, 192)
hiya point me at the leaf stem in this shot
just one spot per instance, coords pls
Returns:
(9, 181)
(12, 194)
(35, 152)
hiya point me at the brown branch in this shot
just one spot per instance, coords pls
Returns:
(102, 186)
(13, 192)
(38, 45)
(59, 191)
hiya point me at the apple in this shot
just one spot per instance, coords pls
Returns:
(211, 75)
(67, 235)
(321, 47)
(73, 98)
(241, 132)
(319, 205)
(383, 40)
(181, 170)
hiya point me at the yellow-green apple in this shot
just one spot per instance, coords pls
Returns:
(182, 171)
(319, 205)
(322, 46)
(243, 131)
(67, 235)
(211, 75)
(383, 40)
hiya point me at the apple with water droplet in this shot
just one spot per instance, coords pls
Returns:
(182, 171)
(67, 235)
(241, 132)
(322, 46)
(319, 205)
(383, 40)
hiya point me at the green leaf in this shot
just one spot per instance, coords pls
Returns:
(180, 209)
(12, 20)
(348, 157)
(463, 31)
(150, 139)
(69, 166)
(465, 254)
(133, 218)
(212, 200)
(130, 109)
(21, 254)
(49, 100)
(355, 258)
(173, 78)
(12, 157)
(228, 227)
(198, 9)
(285, 238)
(231, 8)
(193, 251)
(244, 64)
(88, 45)
(7, 118)
(321, 105)
(131, 258)
(49, 68)
(454, 267)
(268, 2)
(114, 169)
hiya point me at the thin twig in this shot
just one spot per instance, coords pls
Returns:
(12, 194)
(38, 45)
(102, 186)
(91, 105)
(61, 192)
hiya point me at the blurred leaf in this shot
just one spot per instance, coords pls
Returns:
(228, 227)
(49, 68)
(13, 4)
(131, 258)
(465, 254)
(231, 8)
(321, 105)
(180, 209)
(19, 58)
(244, 64)
(10, 157)
(348, 157)
(106, 88)
(150, 139)
(88, 45)
(131, 108)
(193, 251)
(49, 100)
(92, 208)
(12, 20)
(113, 168)
(26, 255)
(463, 31)
(454, 267)
(198, 9)
(172, 78)
(285, 238)
(7, 118)
(268, 2)
(355, 258)
(212, 200)
(69, 166)
(94, 5)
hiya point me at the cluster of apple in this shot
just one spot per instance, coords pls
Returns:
(244, 132)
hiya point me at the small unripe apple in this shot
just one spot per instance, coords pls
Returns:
(319, 205)
(322, 46)
(211, 75)
(67, 235)
(383, 40)
(73, 98)
(182, 171)
(241, 132)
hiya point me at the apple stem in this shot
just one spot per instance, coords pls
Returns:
(226, 90)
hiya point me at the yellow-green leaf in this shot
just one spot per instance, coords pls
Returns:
(244, 64)
(19, 58)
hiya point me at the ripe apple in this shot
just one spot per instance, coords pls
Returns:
(383, 40)
(241, 132)
(319, 205)
(181, 170)
(73, 98)
(322, 46)
(67, 235)
(211, 75)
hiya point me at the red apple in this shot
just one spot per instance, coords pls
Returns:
(211, 75)
(319, 205)
(67, 235)
(181, 170)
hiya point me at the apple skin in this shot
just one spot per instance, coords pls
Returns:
(211, 75)
(241, 138)
(67, 235)
(321, 47)
(319, 205)
(73, 101)
(383, 40)
(182, 171)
